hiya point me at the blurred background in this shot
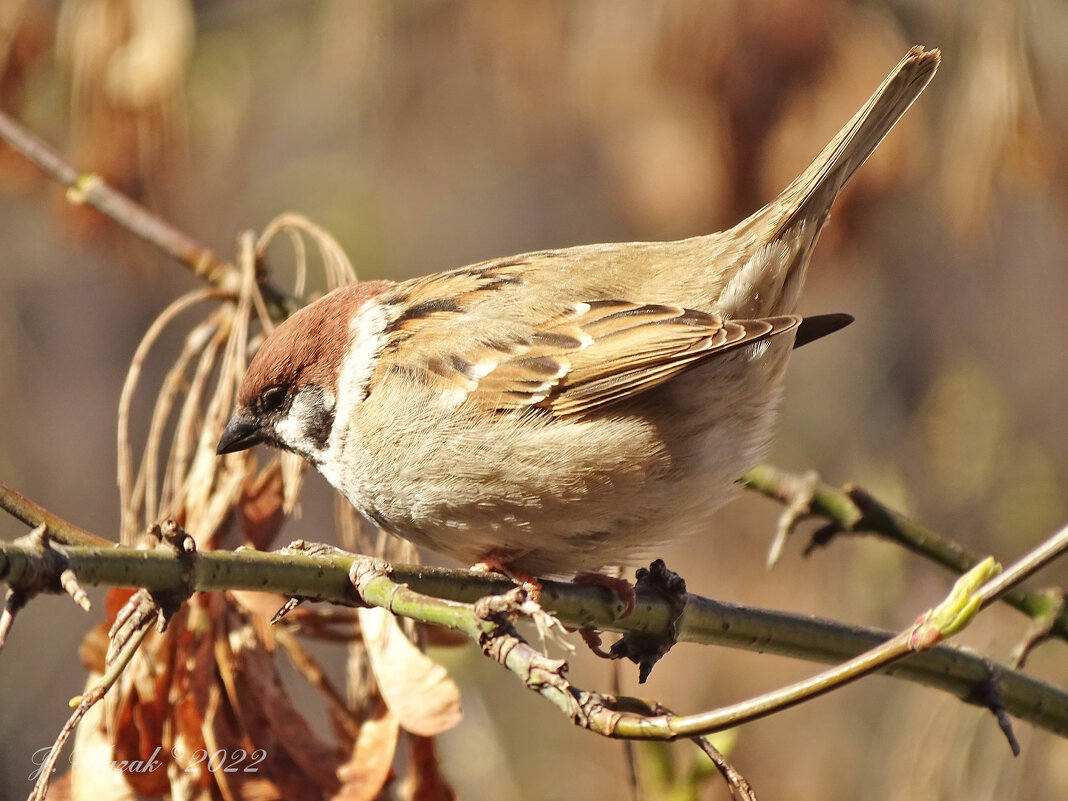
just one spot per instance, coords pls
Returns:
(426, 135)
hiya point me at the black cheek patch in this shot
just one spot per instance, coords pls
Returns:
(320, 426)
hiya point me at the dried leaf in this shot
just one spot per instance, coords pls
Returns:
(417, 689)
(424, 781)
(94, 648)
(261, 506)
(115, 600)
(266, 710)
(196, 676)
(368, 768)
(138, 751)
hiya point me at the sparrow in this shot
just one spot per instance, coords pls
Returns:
(565, 410)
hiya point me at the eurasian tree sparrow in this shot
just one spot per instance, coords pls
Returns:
(564, 410)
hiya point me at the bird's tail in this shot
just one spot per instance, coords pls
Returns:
(773, 246)
(813, 191)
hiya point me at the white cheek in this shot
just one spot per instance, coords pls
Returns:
(304, 413)
(368, 338)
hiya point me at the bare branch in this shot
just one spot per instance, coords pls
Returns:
(852, 510)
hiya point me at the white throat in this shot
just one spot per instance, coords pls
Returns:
(367, 336)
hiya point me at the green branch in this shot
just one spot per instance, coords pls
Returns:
(441, 597)
(852, 510)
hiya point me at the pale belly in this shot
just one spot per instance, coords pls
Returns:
(560, 496)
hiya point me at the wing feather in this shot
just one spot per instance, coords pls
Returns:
(591, 355)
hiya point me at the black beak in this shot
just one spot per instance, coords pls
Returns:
(241, 432)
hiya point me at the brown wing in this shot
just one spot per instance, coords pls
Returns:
(587, 357)
(631, 348)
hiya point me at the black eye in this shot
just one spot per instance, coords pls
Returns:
(272, 399)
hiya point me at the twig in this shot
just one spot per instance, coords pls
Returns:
(488, 622)
(91, 190)
(32, 514)
(442, 596)
(138, 619)
(852, 510)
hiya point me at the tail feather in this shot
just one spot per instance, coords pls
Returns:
(818, 326)
(772, 248)
(814, 190)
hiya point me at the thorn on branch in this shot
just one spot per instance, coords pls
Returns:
(285, 609)
(70, 585)
(988, 694)
(797, 494)
(13, 603)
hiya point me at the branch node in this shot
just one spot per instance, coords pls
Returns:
(78, 192)
(644, 649)
(46, 569)
(364, 570)
(1042, 629)
(171, 535)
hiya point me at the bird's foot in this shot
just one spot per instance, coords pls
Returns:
(644, 649)
(528, 600)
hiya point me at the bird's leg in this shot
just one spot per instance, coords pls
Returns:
(623, 589)
(548, 626)
(500, 563)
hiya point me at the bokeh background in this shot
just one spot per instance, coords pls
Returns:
(426, 135)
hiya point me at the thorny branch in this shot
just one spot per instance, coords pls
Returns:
(851, 510)
(444, 597)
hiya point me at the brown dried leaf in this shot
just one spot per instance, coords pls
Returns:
(369, 766)
(138, 745)
(418, 690)
(261, 506)
(259, 606)
(94, 648)
(142, 722)
(242, 773)
(115, 600)
(424, 781)
(195, 680)
(264, 707)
